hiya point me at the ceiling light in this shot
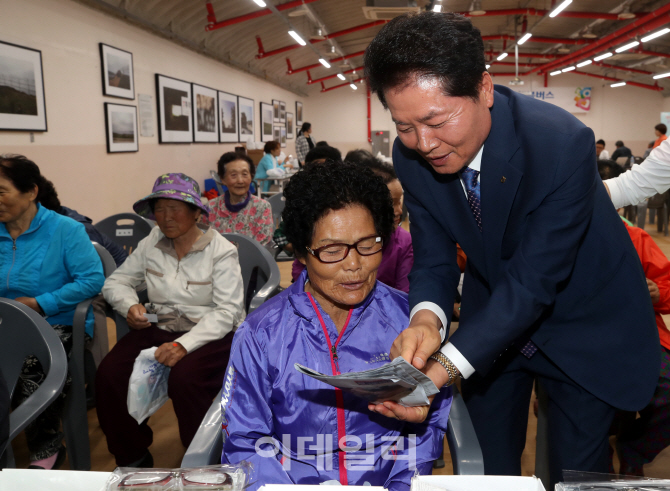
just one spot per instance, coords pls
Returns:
(353, 86)
(557, 72)
(260, 3)
(589, 34)
(488, 66)
(524, 38)
(655, 35)
(502, 56)
(437, 8)
(476, 8)
(602, 57)
(569, 69)
(618, 84)
(324, 62)
(563, 49)
(584, 63)
(560, 8)
(626, 13)
(297, 37)
(341, 77)
(626, 47)
(662, 75)
(318, 34)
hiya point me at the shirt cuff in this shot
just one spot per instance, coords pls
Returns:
(615, 193)
(435, 309)
(48, 303)
(463, 365)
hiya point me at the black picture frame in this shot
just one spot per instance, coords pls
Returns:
(246, 122)
(267, 119)
(177, 126)
(275, 109)
(298, 115)
(121, 121)
(205, 105)
(228, 113)
(118, 73)
(24, 106)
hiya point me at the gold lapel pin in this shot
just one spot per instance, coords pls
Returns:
(503, 179)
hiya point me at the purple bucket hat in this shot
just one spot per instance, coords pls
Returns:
(171, 186)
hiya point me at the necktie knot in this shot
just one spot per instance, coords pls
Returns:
(470, 177)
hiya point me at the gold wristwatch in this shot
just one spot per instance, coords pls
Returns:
(451, 369)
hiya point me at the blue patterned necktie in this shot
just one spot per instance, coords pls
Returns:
(470, 177)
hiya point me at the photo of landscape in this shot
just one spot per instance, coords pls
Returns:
(123, 127)
(246, 117)
(228, 117)
(118, 72)
(206, 111)
(17, 86)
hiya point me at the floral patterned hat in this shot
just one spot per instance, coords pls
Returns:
(171, 186)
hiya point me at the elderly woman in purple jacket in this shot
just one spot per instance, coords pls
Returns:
(335, 318)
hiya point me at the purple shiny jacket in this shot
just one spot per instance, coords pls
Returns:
(288, 425)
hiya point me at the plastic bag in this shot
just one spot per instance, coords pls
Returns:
(275, 172)
(148, 387)
(211, 477)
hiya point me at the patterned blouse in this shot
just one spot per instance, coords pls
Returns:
(254, 220)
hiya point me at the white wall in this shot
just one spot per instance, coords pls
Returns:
(72, 153)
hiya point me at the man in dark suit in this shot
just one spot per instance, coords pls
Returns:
(514, 182)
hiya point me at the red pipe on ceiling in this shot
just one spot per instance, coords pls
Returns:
(213, 24)
(530, 11)
(647, 23)
(528, 55)
(310, 81)
(636, 84)
(623, 68)
(314, 41)
(345, 84)
(650, 53)
(508, 37)
(292, 70)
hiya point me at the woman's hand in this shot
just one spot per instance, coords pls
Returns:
(170, 353)
(32, 303)
(136, 319)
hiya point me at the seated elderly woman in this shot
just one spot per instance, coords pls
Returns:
(335, 318)
(238, 210)
(194, 285)
(269, 161)
(49, 265)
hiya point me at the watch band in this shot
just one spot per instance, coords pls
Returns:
(451, 369)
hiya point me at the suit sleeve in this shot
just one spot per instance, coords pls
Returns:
(247, 420)
(423, 443)
(435, 273)
(544, 258)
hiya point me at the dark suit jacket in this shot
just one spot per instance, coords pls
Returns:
(553, 261)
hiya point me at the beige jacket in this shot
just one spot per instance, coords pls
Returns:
(201, 295)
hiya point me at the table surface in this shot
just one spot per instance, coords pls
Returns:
(39, 480)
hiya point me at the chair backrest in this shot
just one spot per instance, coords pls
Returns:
(125, 229)
(24, 332)
(466, 454)
(255, 261)
(217, 182)
(108, 264)
(277, 202)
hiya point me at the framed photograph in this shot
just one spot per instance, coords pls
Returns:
(246, 120)
(121, 125)
(117, 72)
(283, 136)
(267, 116)
(175, 118)
(228, 118)
(275, 110)
(289, 126)
(282, 112)
(22, 105)
(298, 115)
(205, 120)
(276, 133)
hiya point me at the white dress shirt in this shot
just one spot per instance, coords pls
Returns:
(449, 350)
(643, 181)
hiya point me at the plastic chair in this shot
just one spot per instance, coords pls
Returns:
(217, 182)
(126, 235)
(277, 202)
(466, 454)
(25, 332)
(254, 257)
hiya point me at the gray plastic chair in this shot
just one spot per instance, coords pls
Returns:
(125, 235)
(217, 182)
(466, 454)
(277, 202)
(24, 332)
(254, 256)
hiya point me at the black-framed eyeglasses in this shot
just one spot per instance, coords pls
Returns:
(334, 253)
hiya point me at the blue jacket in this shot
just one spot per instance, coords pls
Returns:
(265, 398)
(55, 263)
(551, 261)
(267, 162)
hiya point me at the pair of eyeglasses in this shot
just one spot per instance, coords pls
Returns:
(196, 479)
(334, 253)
